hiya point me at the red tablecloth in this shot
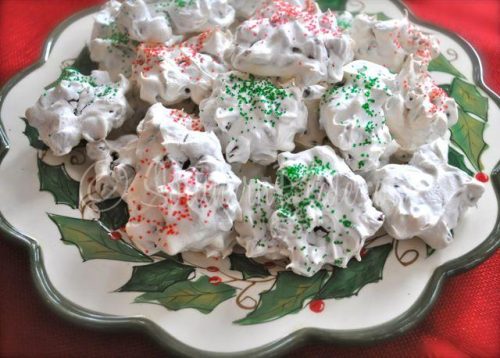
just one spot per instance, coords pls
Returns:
(464, 322)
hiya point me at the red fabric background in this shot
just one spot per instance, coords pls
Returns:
(464, 322)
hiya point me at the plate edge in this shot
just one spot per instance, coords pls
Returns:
(371, 335)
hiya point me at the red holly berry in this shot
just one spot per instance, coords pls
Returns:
(212, 269)
(363, 252)
(269, 264)
(317, 306)
(115, 235)
(215, 280)
(482, 177)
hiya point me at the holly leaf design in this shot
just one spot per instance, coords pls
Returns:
(442, 64)
(114, 213)
(336, 5)
(446, 88)
(157, 277)
(467, 134)
(381, 16)
(285, 297)
(248, 267)
(458, 161)
(200, 295)
(56, 180)
(469, 98)
(349, 281)
(33, 136)
(94, 241)
(83, 63)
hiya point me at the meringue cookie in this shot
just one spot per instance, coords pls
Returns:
(353, 114)
(291, 41)
(191, 16)
(314, 134)
(422, 112)
(317, 213)
(171, 74)
(246, 9)
(114, 166)
(79, 107)
(119, 28)
(254, 118)
(183, 195)
(388, 42)
(425, 198)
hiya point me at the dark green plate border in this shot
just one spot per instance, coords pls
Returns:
(303, 336)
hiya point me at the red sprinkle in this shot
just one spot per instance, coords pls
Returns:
(212, 269)
(317, 306)
(115, 235)
(482, 177)
(363, 252)
(215, 280)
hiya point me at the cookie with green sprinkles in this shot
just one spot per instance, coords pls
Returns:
(79, 107)
(254, 117)
(120, 26)
(317, 213)
(353, 114)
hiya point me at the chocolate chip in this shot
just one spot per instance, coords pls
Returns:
(186, 164)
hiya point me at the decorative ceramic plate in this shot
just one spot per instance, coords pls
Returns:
(195, 305)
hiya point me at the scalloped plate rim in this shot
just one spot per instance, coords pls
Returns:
(390, 329)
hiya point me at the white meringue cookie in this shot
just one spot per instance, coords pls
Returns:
(171, 74)
(314, 134)
(422, 112)
(183, 195)
(388, 42)
(246, 9)
(119, 28)
(114, 166)
(317, 213)
(353, 114)
(425, 198)
(191, 16)
(254, 118)
(79, 107)
(291, 41)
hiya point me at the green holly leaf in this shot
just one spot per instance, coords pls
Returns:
(349, 281)
(381, 16)
(446, 88)
(94, 241)
(114, 213)
(336, 5)
(469, 98)
(200, 295)
(467, 134)
(33, 136)
(56, 180)
(441, 64)
(285, 297)
(458, 161)
(429, 250)
(248, 267)
(83, 63)
(157, 277)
